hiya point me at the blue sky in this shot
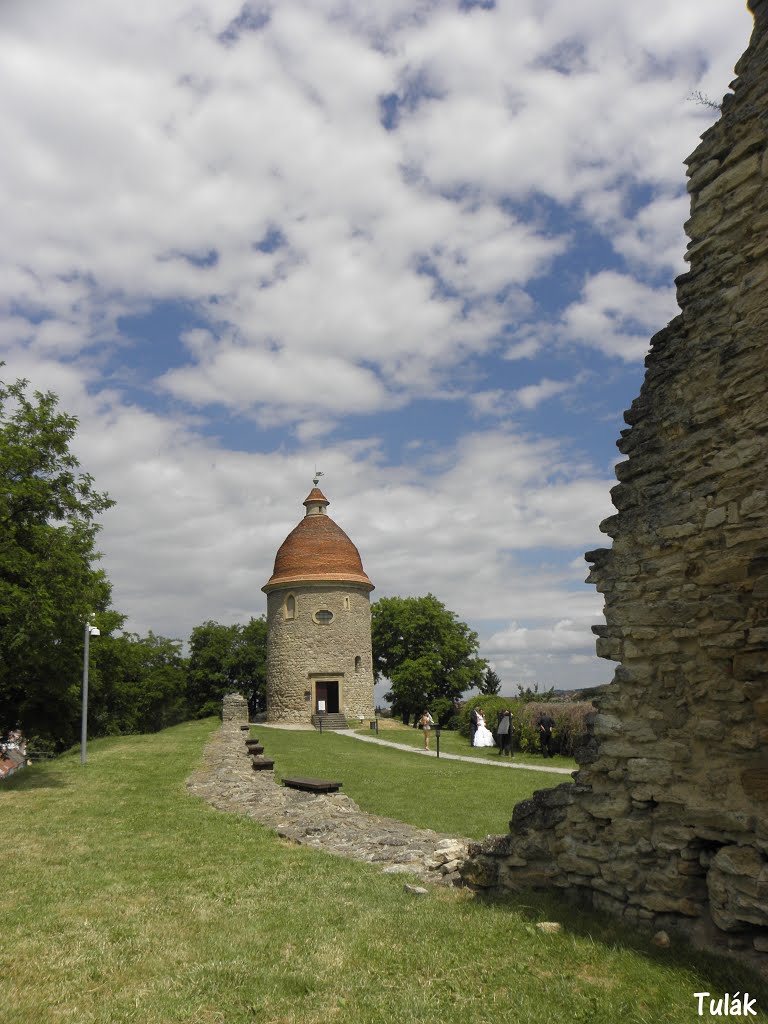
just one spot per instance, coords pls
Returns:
(420, 245)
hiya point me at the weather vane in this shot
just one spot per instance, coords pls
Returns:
(317, 476)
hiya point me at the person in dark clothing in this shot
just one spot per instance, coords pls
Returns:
(504, 732)
(472, 727)
(546, 724)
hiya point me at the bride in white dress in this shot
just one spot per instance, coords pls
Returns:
(483, 735)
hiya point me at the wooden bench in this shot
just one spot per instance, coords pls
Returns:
(312, 785)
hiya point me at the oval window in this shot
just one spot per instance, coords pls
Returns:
(324, 616)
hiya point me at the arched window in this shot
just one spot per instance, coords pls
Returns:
(290, 607)
(358, 663)
(346, 604)
(324, 616)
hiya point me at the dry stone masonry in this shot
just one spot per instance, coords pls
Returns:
(333, 823)
(234, 709)
(667, 823)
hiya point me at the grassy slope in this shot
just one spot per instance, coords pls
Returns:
(448, 796)
(126, 900)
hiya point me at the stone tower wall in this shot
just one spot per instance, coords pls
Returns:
(301, 649)
(667, 822)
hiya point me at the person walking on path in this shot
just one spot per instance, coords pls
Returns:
(546, 724)
(504, 732)
(426, 722)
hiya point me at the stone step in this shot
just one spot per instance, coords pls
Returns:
(330, 721)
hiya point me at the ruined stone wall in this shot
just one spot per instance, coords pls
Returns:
(667, 822)
(300, 649)
(234, 709)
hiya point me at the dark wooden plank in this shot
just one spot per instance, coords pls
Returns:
(310, 785)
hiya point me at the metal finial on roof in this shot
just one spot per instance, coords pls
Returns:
(316, 478)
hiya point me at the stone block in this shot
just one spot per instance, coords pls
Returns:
(741, 861)
(608, 648)
(669, 903)
(621, 872)
(606, 725)
(578, 865)
(754, 504)
(648, 769)
(704, 219)
(715, 517)
(703, 175)
(730, 905)
(712, 822)
(480, 872)
(708, 729)
(729, 179)
(753, 143)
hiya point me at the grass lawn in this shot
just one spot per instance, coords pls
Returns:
(448, 796)
(127, 900)
(455, 743)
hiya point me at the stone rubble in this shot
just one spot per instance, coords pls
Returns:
(333, 823)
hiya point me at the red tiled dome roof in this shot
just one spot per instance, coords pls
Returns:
(317, 550)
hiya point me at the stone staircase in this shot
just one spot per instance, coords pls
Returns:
(330, 721)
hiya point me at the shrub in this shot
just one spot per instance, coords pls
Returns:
(569, 718)
(492, 707)
(570, 725)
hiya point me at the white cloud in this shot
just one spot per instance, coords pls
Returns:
(563, 636)
(331, 267)
(501, 403)
(196, 527)
(524, 349)
(533, 395)
(617, 315)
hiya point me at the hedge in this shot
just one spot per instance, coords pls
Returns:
(569, 718)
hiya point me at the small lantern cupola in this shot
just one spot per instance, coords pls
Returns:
(316, 502)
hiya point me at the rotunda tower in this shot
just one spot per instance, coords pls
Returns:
(319, 623)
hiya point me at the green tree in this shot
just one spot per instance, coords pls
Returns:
(491, 684)
(48, 581)
(137, 684)
(225, 659)
(528, 695)
(429, 656)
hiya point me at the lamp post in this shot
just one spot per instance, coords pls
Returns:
(90, 631)
(437, 737)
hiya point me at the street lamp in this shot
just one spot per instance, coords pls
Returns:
(90, 630)
(437, 736)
